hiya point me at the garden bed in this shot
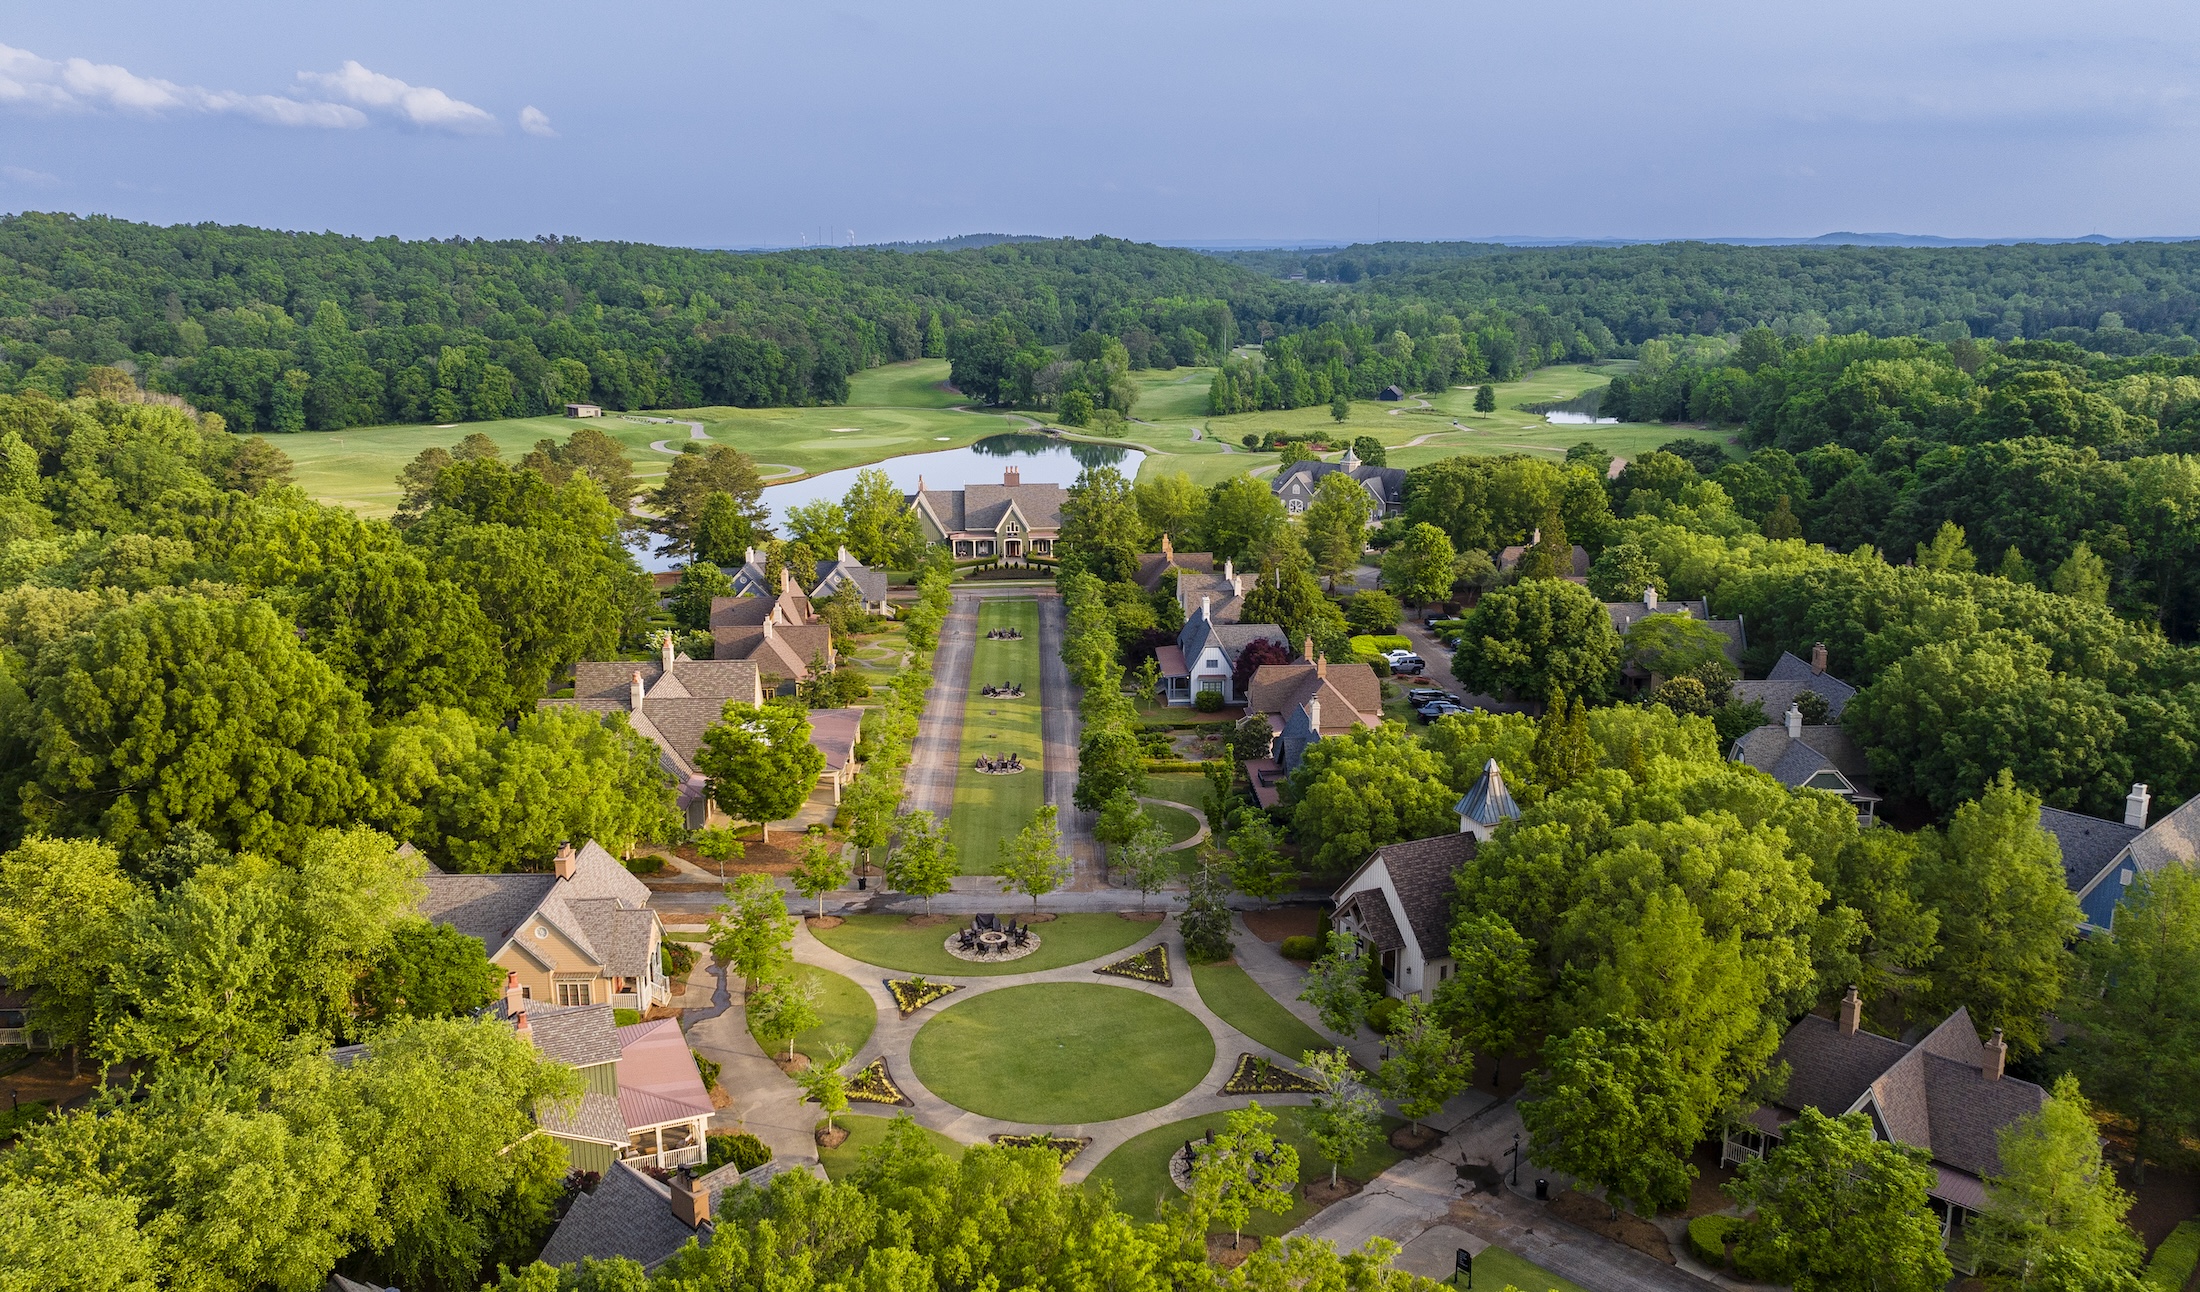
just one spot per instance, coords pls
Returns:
(1150, 965)
(874, 1084)
(1593, 1214)
(1257, 1076)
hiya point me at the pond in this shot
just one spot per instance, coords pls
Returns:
(1040, 459)
(1579, 419)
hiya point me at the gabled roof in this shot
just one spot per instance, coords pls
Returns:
(1371, 911)
(1508, 557)
(1793, 762)
(1223, 590)
(1234, 638)
(2176, 837)
(1350, 694)
(1384, 484)
(1424, 871)
(579, 1036)
(658, 1081)
(980, 508)
(835, 732)
(2090, 845)
(628, 1215)
(602, 909)
(1152, 565)
(488, 907)
(1789, 678)
(945, 506)
(870, 583)
(1487, 801)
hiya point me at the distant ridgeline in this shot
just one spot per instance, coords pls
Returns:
(291, 331)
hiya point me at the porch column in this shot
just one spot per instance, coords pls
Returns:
(660, 1134)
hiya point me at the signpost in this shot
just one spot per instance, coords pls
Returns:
(1462, 1263)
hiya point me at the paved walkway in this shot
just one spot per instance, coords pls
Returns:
(1199, 836)
(765, 1103)
(1058, 738)
(936, 755)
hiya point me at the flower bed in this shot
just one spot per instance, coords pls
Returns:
(913, 994)
(875, 1085)
(1069, 1146)
(1257, 1076)
(1150, 965)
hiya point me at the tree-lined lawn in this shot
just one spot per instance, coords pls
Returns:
(892, 942)
(1242, 1003)
(989, 808)
(867, 1131)
(1062, 1054)
(1139, 1168)
(846, 1012)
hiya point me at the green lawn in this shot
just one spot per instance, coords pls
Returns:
(1062, 1054)
(988, 808)
(867, 1131)
(879, 655)
(891, 942)
(847, 1011)
(919, 383)
(1233, 995)
(1139, 1168)
(1180, 824)
(1498, 1268)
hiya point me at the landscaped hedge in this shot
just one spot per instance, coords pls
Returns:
(1708, 1235)
(2173, 1263)
(1383, 1013)
(1376, 645)
(741, 1150)
(1171, 765)
(1302, 947)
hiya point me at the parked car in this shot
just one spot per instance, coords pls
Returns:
(1435, 709)
(1411, 666)
(1421, 695)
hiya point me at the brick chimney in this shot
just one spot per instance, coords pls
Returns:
(1168, 551)
(1852, 1011)
(1307, 652)
(1997, 1057)
(664, 650)
(519, 1025)
(1795, 723)
(565, 861)
(690, 1201)
(1818, 658)
(1012, 476)
(515, 996)
(1321, 666)
(2135, 807)
(1650, 596)
(634, 692)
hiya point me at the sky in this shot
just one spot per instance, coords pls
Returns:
(719, 123)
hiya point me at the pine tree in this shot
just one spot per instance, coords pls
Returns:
(1485, 399)
(2015, 568)
(1781, 522)
(1563, 751)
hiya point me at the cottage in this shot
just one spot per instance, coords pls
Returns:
(1312, 698)
(1010, 521)
(1296, 484)
(1399, 900)
(1626, 614)
(1790, 677)
(1810, 758)
(1508, 558)
(583, 934)
(583, 410)
(834, 733)
(2102, 858)
(1392, 393)
(1205, 656)
(673, 701)
(782, 634)
(749, 580)
(1947, 1094)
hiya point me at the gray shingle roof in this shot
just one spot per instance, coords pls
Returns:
(1789, 678)
(488, 907)
(1423, 871)
(628, 1215)
(2175, 837)
(593, 1116)
(1487, 801)
(1793, 762)
(2089, 844)
(1371, 911)
(1234, 638)
(581, 1036)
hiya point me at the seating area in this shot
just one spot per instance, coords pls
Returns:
(1004, 634)
(1001, 766)
(988, 937)
(1005, 691)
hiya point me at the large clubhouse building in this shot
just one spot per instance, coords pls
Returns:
(1009, 521)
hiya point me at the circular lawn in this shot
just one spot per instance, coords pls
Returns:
(1062, 1054)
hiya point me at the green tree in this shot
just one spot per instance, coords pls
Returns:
(1781, 523)
(2015, 568)
(1102, 530)
(751, 930)
(1422, 566)
(1622, 571)
(1356, 792)
(820, 526)
(1609, 1107)
(824, 1084)
(1258, 867)
(696, 478)
(1204, 922)
(1495, 996)
(1370, 450)
(760, 762)
(821, 867)
(1427, 1065)
(1535, 639)
(428, 970)
(1563, 752)
(1345, 1116)
(1996, 880)
(1947, 551)
(1110, 764)
(1242, 1169)
(1145, 858)
(407, 638)
(66, 911)
(1337, 985)
(1335, 524)
(700, 584)
(1032, 863)
(2133, 1006)
(73, 1237)
(1673, 645)
(187, 709)
(2082, 575)
(1840, 1209)
(1243, 517)
(922, 862)
(719, 843)
(1372, 612)
(2055, 1205)
(1552, 554)
(783, 1005)
(882, 527)
(1485, 399)
(1340, 408)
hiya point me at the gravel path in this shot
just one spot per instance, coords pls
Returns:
(1058, 735)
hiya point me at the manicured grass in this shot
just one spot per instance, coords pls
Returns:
(1233, 995)
(1180, 824)
(1062, 1054)
(1497, 1268)
(1179, 787)
(867, 1131)
(989, 808)
(1139, 1168)
(891, 942)
(919, 383)
(879, 655)
(848, 1013)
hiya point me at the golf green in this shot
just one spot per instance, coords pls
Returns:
(1062, 1054)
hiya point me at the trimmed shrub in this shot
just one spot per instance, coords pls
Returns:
(2174, 1260)
(1708, 1236)
(1383, 1013)
(1304, 947)
(707, 1069)
(1208, 702)
(625, 1017)
(740, 1150)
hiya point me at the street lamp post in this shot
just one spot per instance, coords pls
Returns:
(1516, 1159)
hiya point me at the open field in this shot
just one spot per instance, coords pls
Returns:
(990, 808)
(1139, 1168)
(892, 942)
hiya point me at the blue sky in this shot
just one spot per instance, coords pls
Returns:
(730, 124)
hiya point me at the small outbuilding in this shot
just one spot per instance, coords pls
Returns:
(1392, 393)
(583, 410)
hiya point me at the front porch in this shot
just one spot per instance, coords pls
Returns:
(668, 1144)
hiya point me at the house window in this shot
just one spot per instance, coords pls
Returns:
(1042, 546)
(1295, 506)
(1827, 781)
(1390, 966)
(985, 547)
(962, 549)
(1210, 684)
(575, 991)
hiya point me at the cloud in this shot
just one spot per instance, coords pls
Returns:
(420, 105)
(80, 85)
(534, 122)
(25, 175)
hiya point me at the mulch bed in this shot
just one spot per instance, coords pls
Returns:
(1579, 1209)
(1704, 1197)
(1406, 1140)
(2166, 1199)
(1321, 1195)
(799, 1063)
(769, 858)
(1143, 917)
(1039, 917)
(1224, 1256)
(833, 1138)
(825, 921)
(1284, 922)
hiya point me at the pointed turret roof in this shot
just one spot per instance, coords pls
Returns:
(1487, 801)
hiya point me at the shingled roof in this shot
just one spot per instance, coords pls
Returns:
(601, 908)
(1792, 761)
(1350, 693)
(628, 1215)
(1369, 909)
(1487, 802)
(1424, 872)
(2089, 844)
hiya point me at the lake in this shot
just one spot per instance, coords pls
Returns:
(1040, 459)
(1578, 419)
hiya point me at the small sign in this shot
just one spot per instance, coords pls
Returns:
(1463, 1263)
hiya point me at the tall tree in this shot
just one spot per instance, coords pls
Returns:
(66, 911)
(1345, 1116)
(1242, 1169)
(2134, 1011)
(1335, 523)
(751, 930)
(821, 867)
(1422, 566)
(1427, 1065)
(1102, 530)
(1608, 1106)
(1356, 792)
(882, 528)
(1337, 985)
(1840, 1208)
(2054, 1207)
(1536, 638)
(700, 583)
(1242, 519)
(922, 862)
(1032, 863)
(696, 477)
(760, 761)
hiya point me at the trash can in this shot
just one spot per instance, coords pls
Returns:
(862, 882)
(1542, 1190)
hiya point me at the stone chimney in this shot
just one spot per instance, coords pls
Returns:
(565, 861)
(1321, 666)
(634, 692)
(2135, 807)
(690, 1200)
(1650, 596)
(920, 484)
(1308, 651)
(1852, 1011)
(1997, 1058)
(1168, 551)
(1012, 476)
(664, 650)
(1818, 658)
(1206, 606)
(1314, 716)
(767, 630)
(1795, 722)
(515, 996)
